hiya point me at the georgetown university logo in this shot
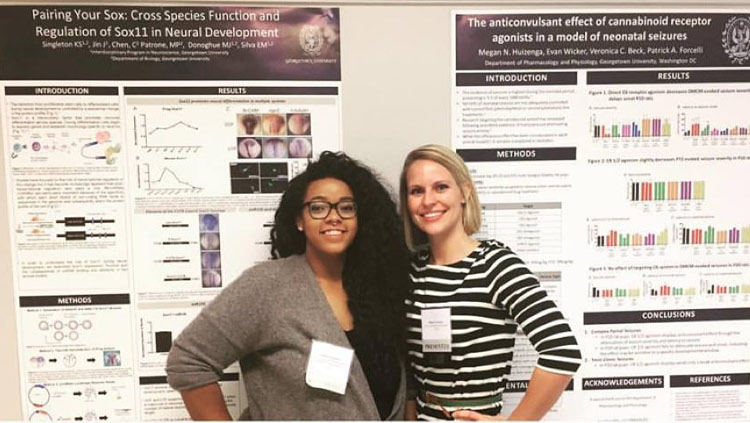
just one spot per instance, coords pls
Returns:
(736, 39)
(311, 39)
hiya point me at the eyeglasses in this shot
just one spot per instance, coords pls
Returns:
(347, 209)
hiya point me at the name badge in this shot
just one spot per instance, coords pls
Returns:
(436, 330)
(328, 367)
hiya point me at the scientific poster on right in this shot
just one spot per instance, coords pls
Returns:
(611, 151)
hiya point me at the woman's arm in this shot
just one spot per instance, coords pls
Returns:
(206, 403)
(543, 391)
(517, 290)
(227, 329)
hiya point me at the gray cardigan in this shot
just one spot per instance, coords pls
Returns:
(267, 319)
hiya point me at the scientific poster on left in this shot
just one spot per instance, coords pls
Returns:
(146, 149)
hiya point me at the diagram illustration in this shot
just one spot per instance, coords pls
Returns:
(106, 150)
(101, 148)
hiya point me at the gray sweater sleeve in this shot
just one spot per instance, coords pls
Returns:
(227, 329)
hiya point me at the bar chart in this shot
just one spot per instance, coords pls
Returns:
(670, 289)
(709, 287)
(623, 291)
(706, 130)
(647, 127)
(615, 238)
(709, 234)
(700, 127)
(665, 191)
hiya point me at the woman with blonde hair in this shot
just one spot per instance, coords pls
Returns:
(465, 301)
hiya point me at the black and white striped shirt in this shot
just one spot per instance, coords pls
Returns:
(489, 293)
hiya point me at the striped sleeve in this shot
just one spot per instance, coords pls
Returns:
(516, 289)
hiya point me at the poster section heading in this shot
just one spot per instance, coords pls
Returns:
(666, 316)
(517, 154)
(630, 382)
(668, 77)
(73, 300)
(599, 40)
(517, 386)
(677, 381)
(231, 91)
(515, 79)
(726, 379)
(180, 43)
(52, 90)
(162, 380)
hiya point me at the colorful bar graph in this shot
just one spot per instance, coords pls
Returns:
(616, 239)
(706, 130)
(665, 290)
(711, 288)
(595, 292)
(645, 128)
(667, 191)
(709, 235)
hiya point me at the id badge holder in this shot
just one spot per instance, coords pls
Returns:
(328, 367)
(436, 335)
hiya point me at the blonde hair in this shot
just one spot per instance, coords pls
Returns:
(472, 216)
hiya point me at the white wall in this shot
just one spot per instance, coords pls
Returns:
(396, 82)
(396, 95)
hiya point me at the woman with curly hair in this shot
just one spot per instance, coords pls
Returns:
(318, 332)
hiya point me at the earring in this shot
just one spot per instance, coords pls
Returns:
(299, 228)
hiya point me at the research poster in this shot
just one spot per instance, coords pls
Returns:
(146, 149)
(611, 151)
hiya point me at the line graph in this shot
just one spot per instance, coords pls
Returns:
(168, 182)
(164, 128)
(170, 129)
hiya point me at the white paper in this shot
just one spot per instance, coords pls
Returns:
(436, 330)
(328, 367)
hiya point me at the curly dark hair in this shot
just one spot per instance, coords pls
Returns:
(376, 265)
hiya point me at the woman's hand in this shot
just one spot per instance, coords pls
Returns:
(474, 416)
(411, 410)
(206, 403)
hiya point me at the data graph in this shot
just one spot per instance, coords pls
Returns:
(164, 181)
(701, 127)
(157, 329)
(615, 238)
(149, 131)
(176, 135)
(706, 130)
(713, 287)
(684, 286)
(662, 191)
(709, 234)
(179, 127)
(596, 291)
(670, 289)
(647, 127)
